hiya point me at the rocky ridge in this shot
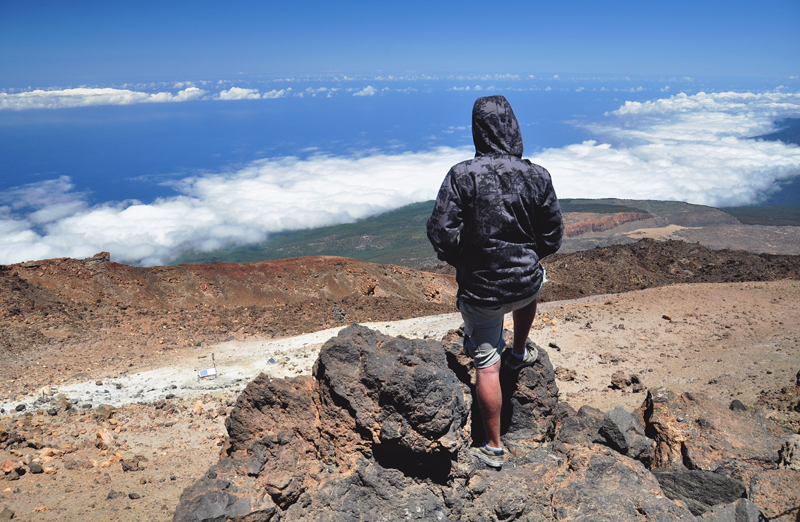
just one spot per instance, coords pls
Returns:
(383, 428)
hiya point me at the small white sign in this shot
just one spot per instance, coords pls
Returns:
(208, 372)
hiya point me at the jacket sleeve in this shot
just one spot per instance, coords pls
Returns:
(549, 225)
(446, 221)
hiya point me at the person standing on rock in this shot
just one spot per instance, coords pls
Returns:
(495, 217)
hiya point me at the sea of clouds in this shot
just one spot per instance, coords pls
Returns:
(93, 96)
(692, 148)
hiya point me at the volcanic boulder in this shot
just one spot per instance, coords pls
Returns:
(382, 431)
(624, 433)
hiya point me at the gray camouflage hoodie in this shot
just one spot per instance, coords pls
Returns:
(496, 215)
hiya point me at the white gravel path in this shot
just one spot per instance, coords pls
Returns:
(237, 363)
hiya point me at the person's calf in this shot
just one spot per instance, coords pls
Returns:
(489, 395)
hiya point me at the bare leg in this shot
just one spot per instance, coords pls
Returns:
(523, 319)
(490, 402)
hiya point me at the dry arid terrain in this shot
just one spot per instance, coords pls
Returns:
(76, 335)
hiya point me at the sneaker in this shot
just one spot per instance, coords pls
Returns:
(515, 363)
(493, 458)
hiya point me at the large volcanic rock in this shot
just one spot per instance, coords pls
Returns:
(382, 432)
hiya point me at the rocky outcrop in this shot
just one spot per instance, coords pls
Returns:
(708, 453)
(382, 430)
(696, 432)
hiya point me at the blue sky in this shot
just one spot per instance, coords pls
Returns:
(49, 43)
(149, 128)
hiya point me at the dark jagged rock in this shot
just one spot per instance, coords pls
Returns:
(216, 505)
(698, 489)
(737, 405)
(624, 433)
(790, 453)
(582, 427)
(740, 511)
(391, 402)
(372, 492)
(533, 400)
(405, 402)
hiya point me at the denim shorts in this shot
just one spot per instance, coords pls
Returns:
(483, 329)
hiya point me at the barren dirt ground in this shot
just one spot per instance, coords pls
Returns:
(730, 340)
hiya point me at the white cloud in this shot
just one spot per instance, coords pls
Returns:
(84, 97)
(274, 93)
(237, 93)
(687, 148)
(215, 210)
(43, 194)
(311, 91)
(369, 90)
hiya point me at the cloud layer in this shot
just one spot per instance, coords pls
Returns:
(688, 148)
(86, 97)
(213, 211)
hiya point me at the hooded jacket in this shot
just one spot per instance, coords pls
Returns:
(497, 214)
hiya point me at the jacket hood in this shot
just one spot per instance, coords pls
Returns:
(494, 127)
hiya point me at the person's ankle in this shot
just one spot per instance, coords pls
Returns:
(520, 355)
(490, 447)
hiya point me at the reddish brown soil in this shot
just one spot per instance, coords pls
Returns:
(98, 314)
